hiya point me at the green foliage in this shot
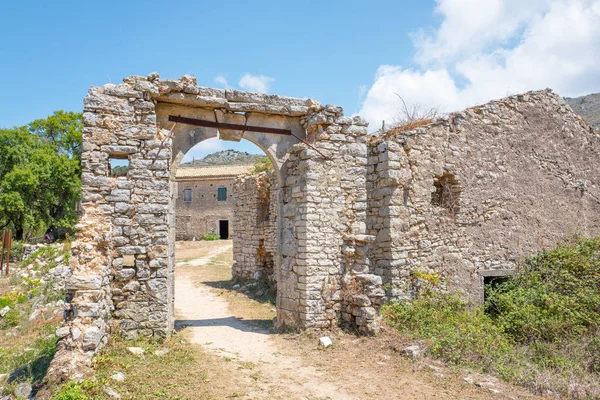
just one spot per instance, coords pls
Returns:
(10, 319)
(543, 328)
(120, 170)
(31, 364)
(46, 252)
(40, 180)
(555, 295)
(456, 331)
(262, 164)
(75, 390)
(17, 250)
(211, 236)
(63, 129)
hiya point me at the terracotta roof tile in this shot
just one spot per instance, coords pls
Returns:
(212, 171)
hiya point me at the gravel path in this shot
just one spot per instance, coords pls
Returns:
(211, 325)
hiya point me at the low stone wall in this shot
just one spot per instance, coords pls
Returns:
(255, 219)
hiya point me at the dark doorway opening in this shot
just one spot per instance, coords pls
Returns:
(490, 284)
(224, 229)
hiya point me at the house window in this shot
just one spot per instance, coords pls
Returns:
(187, 195)
(222, 194)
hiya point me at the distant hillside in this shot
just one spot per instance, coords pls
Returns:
(225, 157)
(588, 107)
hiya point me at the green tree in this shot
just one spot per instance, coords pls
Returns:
(16, 146)
(63, 129)
(262, 164)
(40, 174)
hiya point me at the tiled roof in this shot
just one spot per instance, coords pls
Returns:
(216, 171)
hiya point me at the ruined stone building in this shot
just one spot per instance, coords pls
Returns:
(348, 220)
(204, 202)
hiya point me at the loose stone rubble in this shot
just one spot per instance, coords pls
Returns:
(347, 220)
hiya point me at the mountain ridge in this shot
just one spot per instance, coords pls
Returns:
(588, 107)
(224, 157)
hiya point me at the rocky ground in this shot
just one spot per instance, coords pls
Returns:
(32, 305)
(225, 346)
(222, 317)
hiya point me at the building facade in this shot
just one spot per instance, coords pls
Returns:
(204, 202)
(360, 218)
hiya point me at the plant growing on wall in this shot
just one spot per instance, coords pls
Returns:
(262, 164)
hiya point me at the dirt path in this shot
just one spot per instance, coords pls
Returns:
(200, 261)
(293, 366)
(213, 326)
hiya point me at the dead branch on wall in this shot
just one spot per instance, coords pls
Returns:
(410, 117)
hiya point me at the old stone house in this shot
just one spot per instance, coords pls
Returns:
(356, 218)
(204, 202)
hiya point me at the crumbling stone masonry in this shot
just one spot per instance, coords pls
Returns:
(352, 218)
(255, 227)
(462, 197)
(468, 195)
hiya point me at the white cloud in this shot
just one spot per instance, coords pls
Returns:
(430, 89)
(488, 49)
(256, 83)
(221, 80)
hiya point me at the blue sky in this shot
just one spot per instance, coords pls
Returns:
(52, 52)
(448, 53)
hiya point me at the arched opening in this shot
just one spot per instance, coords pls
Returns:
(226, 227)
(183, 126)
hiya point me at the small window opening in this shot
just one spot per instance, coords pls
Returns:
(187, 195)
(118, 165)
(221, 194)
(490, 284)
(447, 193)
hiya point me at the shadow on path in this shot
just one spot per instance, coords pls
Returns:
(244, 325)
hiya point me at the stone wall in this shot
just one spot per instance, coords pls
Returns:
(463, 197)
(324, 210)
(468, 195)
(123, 264)
(356, 218)
(255, 215)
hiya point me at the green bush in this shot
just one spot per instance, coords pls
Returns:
(211, 236)
(262, 164)
(17, 249)
(555, 295)
(76, 390)
(542, 331)
(453, 329)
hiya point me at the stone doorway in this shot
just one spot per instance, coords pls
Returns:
(224, 229)
(123, 264)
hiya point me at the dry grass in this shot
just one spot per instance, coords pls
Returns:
(374, 368)
(185, 372)
(365, 368)
(27, 348)
(408, 126)
(188, 250)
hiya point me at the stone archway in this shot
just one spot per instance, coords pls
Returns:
(123, 257)
(184, 136)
